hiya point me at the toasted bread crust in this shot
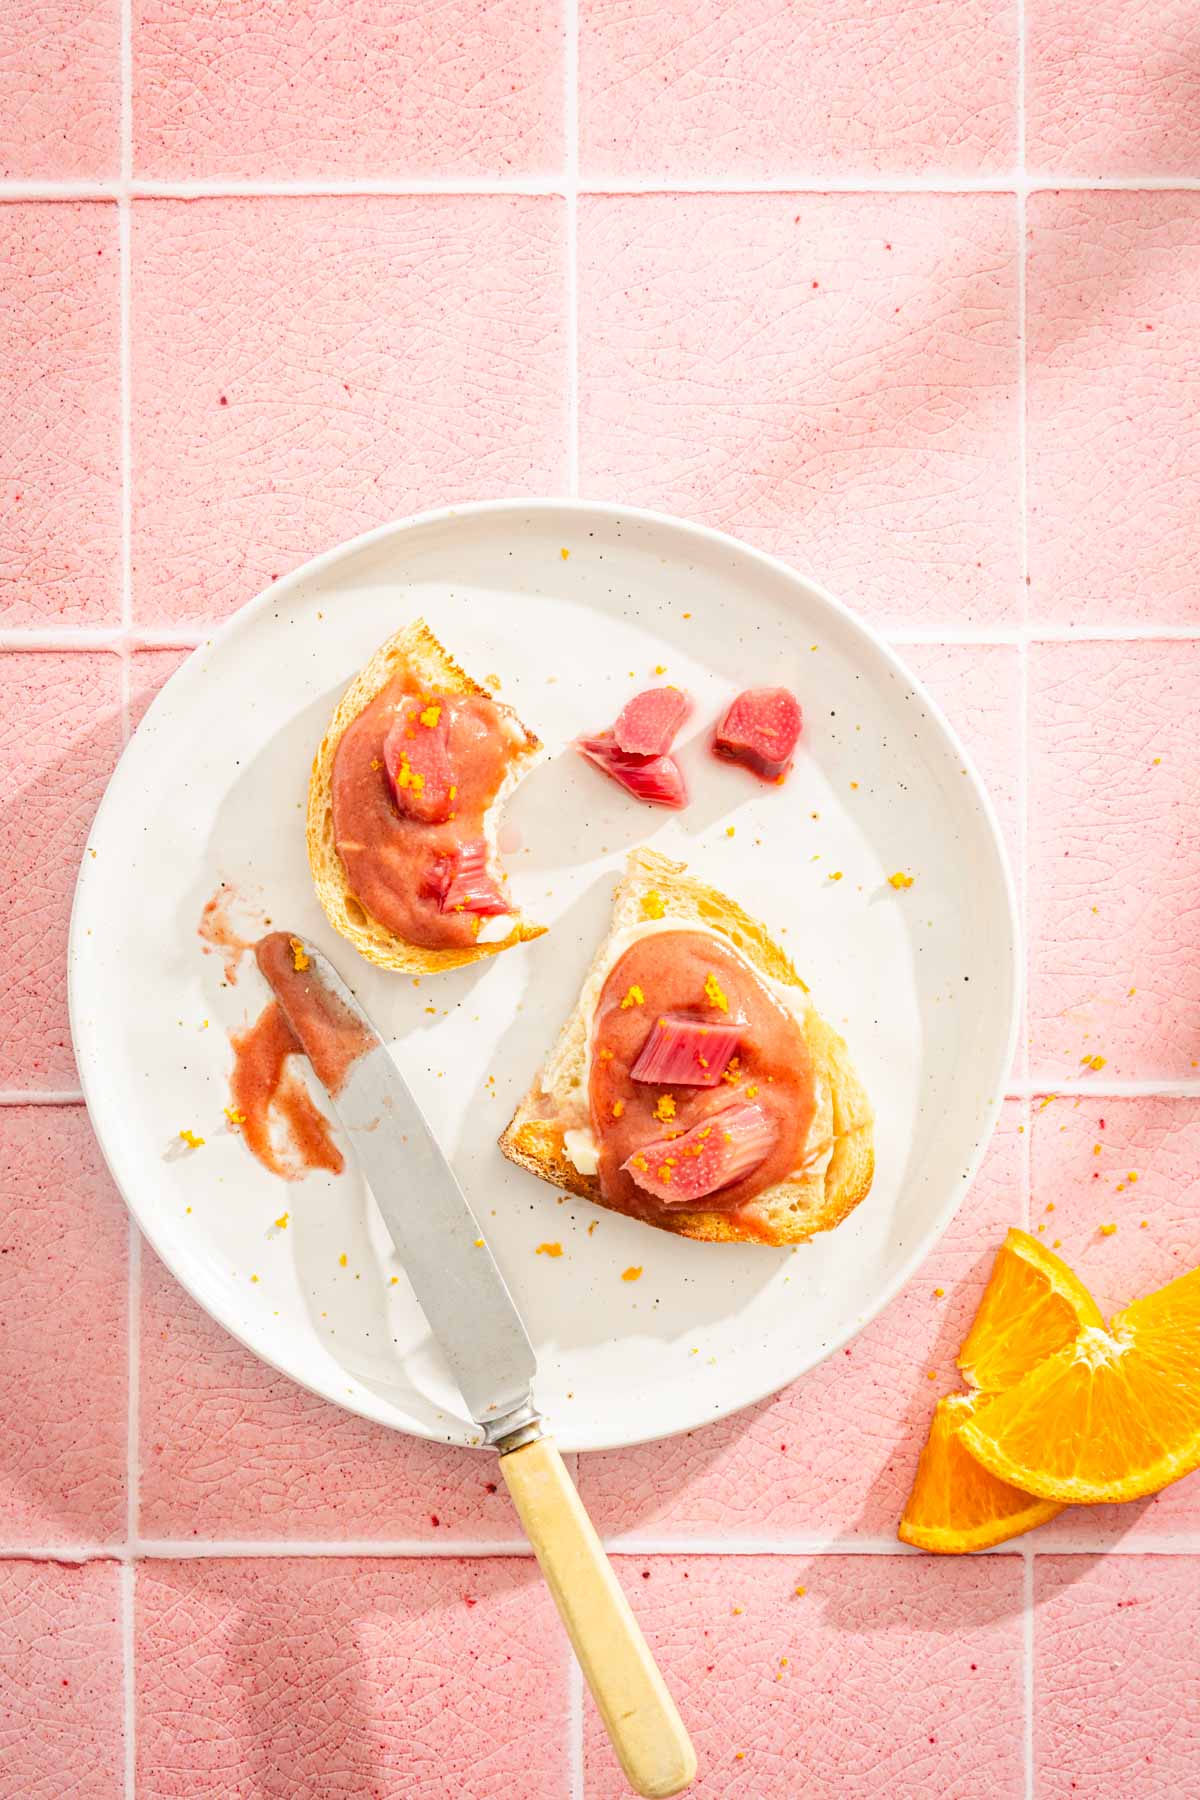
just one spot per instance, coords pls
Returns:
(413, 647)
(793, 1210)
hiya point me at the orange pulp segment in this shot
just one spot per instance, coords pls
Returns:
(1033, 1306)
(1113, 1416)
(955, 1504)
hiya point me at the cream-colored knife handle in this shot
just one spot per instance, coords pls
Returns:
(639, 1714)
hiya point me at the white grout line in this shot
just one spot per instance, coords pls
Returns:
(571, 135)
(574, 1728)
(41, 1097)
(445, 1550)
(128, 1580)
(1027, 1667)
(187, 637)
(133, 1285)
(1039, 1087)
(230, 188)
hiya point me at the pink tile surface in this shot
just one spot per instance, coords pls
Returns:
(1114, 739)
(1114, 442)
(1155, 1141)
(306, 368)
(832, 377)
(837, 376)
(60, 477)
(63, 1238)
(1113, 87)
(148, 671)
(60, 731)
(472, 87)
(1116, 1718)
(349, 1676)
(60, 1687)
(833, 1455)
(230, 1449)
(902, 1675)
(59, 88)
(754, 89)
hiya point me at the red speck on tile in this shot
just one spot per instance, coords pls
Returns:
(433, 1519)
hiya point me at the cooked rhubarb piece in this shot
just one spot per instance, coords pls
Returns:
(760, 729)
(656, 779)
(712, 1155)
(683, 1052)
(647, 724)
(461, 883)
(416, 755)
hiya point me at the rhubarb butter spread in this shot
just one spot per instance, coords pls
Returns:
(275, 1113)
(701, 1089)
(413, 778)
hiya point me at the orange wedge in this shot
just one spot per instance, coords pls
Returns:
(1033, 1306)
(1113, 1416)
(955, 1505)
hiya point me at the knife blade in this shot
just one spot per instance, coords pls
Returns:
(445, 1254)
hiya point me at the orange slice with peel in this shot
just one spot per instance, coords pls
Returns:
(1033, 1306)
(1114, 1415)
(956, 1505)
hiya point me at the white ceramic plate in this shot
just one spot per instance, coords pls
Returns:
(923, 983)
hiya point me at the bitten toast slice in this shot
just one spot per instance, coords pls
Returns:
(414, 649)
(839, 1156)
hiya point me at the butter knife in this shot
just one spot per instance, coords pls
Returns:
(473, 1317)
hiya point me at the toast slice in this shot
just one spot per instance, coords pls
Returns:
(839, 1155)
(416, 649)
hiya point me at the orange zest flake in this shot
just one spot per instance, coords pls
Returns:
(375, 763)
(835, 875)
(618, 1107)
(634, 997)
(342, 1259)
(592, 1226)
(652, 905)
(732, 1075)
(191, 1140)
(431, 715)
(409, 777)
(282, 1221)
(713, 993)
(639, 1162)
(1107, 1230)
(548, 1250)
(606, 1056)
(660, 668)
(1093, 1062)
(900, 879)
(664, 1110)
(478, 1243)
(729, 830)
(234, 1116)
(564, 553)
(664, 1173)
(300, 958)
(633, 1273)
(752, 1091)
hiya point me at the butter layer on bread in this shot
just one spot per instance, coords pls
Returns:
(548, 1133)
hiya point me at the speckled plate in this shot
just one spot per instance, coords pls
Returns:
(923, 982)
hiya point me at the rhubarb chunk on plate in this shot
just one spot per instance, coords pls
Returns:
(760, 729)
(648, 724)
(658, 780)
